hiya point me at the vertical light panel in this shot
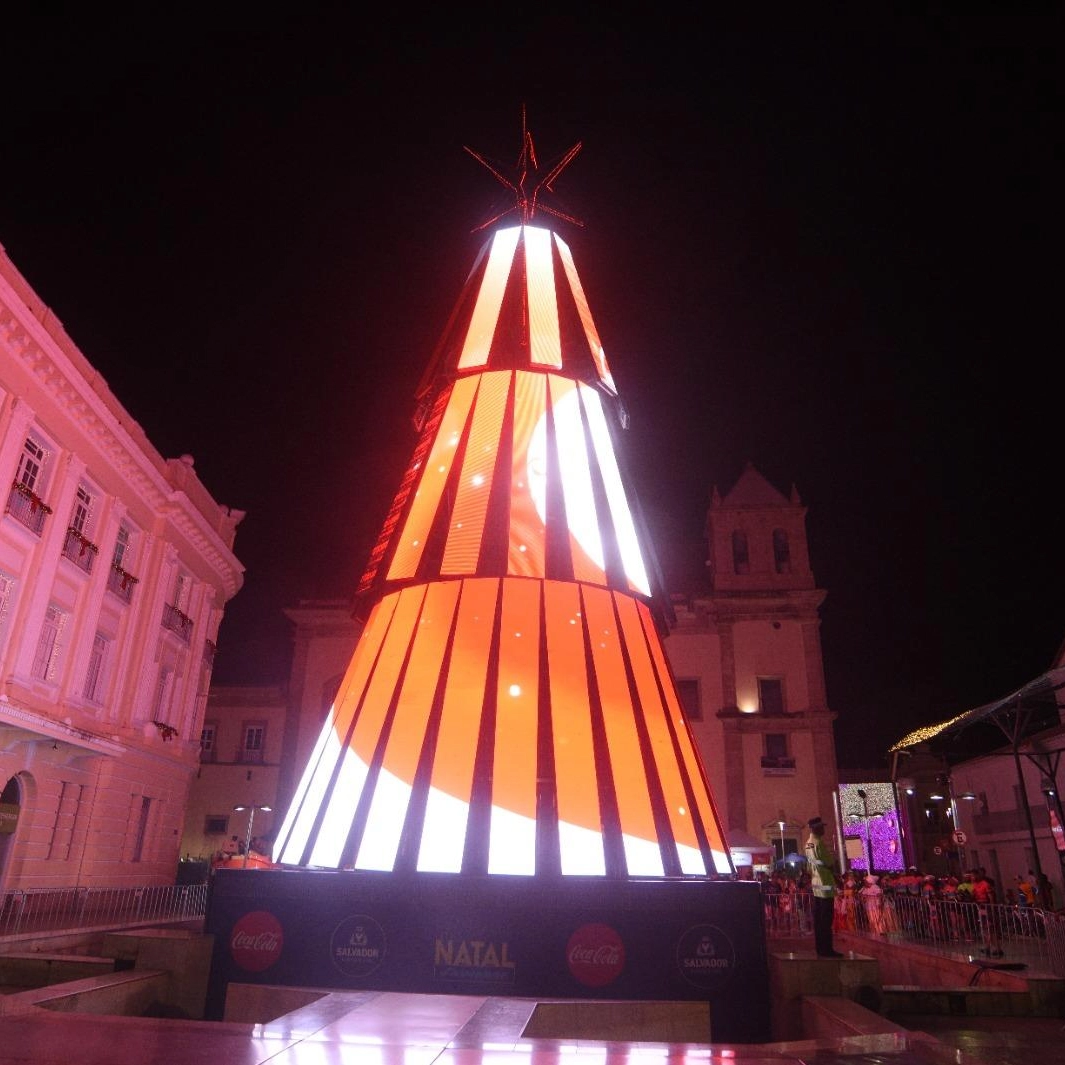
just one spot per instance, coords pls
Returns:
(451, 782)
(431, 481)
(545, 344)
(668, 771)
(690, 758)
(580, 819)
(512, 837)
(624, 528)
(525, 552)
(303, 811)
(595, 345)
(638, 832)
(586, 543)
(475, 481)
(478, 340)
(391, 797)
(363, 743)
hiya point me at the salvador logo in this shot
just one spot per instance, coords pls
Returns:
(357, 946)
(706, 957)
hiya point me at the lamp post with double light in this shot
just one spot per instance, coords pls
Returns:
(251, 821)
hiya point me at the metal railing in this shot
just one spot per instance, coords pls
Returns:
(31, 910)
(980, 930)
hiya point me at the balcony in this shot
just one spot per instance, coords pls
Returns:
(778, 766)
(80, 549)
(178, 623)
(120, 583)
(24, 505)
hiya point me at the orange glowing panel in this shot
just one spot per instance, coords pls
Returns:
(525, 555)
(451, 784)
(475, 480)
(299, 821)
(544, 339)
(639, 835)
(512, 835)
(354, 764)
(668, 771)
(391, 797)
(586, 542)
(580, 820)
(594, 343)
(621, 515)
(690, 757)
(432, 480)
(478, 341)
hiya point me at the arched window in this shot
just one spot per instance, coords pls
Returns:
(781, 551)
(741, 562)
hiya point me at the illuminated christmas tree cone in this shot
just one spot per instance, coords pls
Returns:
(509, 708)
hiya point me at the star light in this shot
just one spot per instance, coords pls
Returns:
(527, 201)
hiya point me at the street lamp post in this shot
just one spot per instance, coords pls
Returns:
(251, 821)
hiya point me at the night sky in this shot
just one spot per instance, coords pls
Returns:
(828, 252)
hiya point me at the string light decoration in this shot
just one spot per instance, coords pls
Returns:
(509, 708)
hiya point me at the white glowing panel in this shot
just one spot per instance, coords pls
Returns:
(336, 824)
(308, 810)
(642, 856)
(512, 844)
(320, 746)
(489, 299)
(581, 851)
(586, 544)
(594, 343)
(545, 342)
(380, 840)
(443, 833)
(624, 528)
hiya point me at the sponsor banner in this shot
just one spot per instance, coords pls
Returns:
(585, 938)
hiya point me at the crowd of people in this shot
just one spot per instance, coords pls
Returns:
(919, 904)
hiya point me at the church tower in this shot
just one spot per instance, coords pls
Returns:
(509, 708)
(752, 646)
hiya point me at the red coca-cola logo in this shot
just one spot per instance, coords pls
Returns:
(256, 941)
(596, 955)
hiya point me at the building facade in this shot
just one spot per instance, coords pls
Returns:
(748, 663)
(115, 568)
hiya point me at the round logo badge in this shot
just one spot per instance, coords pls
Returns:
(255, 942)
(596, 955)
(357, 946)
(706, 957)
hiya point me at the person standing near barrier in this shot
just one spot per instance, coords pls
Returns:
(984, 897)
(823, 869)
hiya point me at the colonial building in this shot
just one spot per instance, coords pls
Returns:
(115, 568)
(747, 658)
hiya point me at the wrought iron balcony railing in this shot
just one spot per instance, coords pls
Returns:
(121, 583)
(178, 623)
(80, 549)
(26, 506)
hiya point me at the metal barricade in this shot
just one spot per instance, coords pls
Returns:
(27, 910)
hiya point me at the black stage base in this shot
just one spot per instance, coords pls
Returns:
(572, 938)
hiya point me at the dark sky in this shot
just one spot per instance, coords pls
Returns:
(834, 253)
